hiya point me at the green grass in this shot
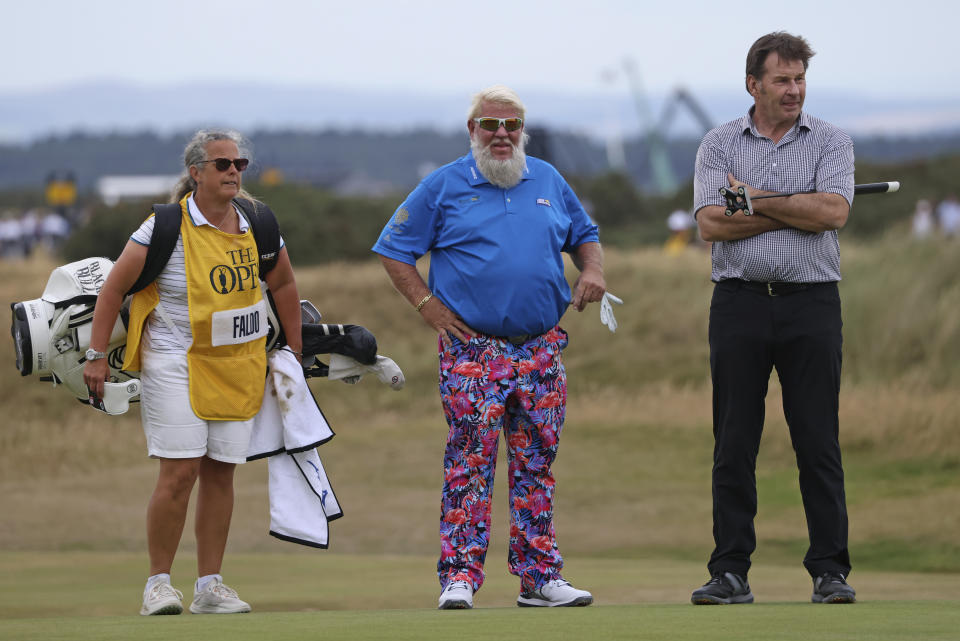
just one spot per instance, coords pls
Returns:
(927, 620)
(95, 596)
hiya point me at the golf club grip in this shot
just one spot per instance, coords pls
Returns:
(877, 188)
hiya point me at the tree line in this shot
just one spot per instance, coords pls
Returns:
(320, 225)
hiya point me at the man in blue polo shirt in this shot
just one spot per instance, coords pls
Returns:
(496, 223)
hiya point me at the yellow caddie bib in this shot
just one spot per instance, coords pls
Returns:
(227, 361)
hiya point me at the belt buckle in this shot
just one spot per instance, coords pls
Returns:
(770, 289)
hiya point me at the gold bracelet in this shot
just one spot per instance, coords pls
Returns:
(423, 301)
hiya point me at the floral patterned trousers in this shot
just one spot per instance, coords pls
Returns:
(485, 385)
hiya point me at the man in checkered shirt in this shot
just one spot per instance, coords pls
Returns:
(776, 304)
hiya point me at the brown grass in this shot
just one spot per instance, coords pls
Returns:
(633, 473)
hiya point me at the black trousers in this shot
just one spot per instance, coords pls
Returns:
(799, 334)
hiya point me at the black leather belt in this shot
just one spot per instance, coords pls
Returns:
(774, 288)
(518, 340)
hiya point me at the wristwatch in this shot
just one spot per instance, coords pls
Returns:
(94, 355)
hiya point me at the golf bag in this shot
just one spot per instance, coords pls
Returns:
(51, 335)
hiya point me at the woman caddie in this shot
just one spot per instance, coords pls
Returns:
(202, 381)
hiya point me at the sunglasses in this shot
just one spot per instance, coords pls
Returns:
(223, 164)
(494, 124)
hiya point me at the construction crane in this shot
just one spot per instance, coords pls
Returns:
(664, 180)
(684, 97)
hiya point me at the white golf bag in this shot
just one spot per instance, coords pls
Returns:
(51, 334)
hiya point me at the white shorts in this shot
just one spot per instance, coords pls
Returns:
(172, 429)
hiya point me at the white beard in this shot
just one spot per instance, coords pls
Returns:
(502, 173)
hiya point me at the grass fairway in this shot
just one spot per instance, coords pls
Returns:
(927, 620)
(356, 597)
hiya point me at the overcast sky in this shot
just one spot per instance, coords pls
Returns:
(881, 67)
(879, 47)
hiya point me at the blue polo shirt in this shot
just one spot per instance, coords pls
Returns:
(495, 254)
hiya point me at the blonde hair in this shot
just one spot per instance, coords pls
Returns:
(497, 94)
(196, 150)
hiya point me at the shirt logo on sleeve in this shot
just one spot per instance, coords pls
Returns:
(543, 201)
(399, 218)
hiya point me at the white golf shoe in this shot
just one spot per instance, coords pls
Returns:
(161, 598)
(458, 595)
(217, 598)
(553, 594)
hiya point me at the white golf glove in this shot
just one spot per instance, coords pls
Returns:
(606, 311)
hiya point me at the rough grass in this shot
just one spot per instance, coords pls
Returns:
(633, 471)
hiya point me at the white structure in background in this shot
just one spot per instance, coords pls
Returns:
(113, 189)
(948, 215)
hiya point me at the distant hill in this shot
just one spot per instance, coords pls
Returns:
(376, 140)
(105, 107)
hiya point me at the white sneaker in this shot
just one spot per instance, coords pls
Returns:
(458, 595)
(555, 593)
(218, 599)
(162, 598)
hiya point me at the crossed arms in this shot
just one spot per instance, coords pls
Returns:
(816, 213)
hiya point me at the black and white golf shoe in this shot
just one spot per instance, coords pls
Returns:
(723, 589)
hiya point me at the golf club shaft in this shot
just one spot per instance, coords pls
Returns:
(866, 188)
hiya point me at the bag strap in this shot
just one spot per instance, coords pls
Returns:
(266, 232)
(80, 299)
(165, 317)
(166, 230)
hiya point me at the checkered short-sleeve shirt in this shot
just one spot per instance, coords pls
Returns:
(813, 156)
